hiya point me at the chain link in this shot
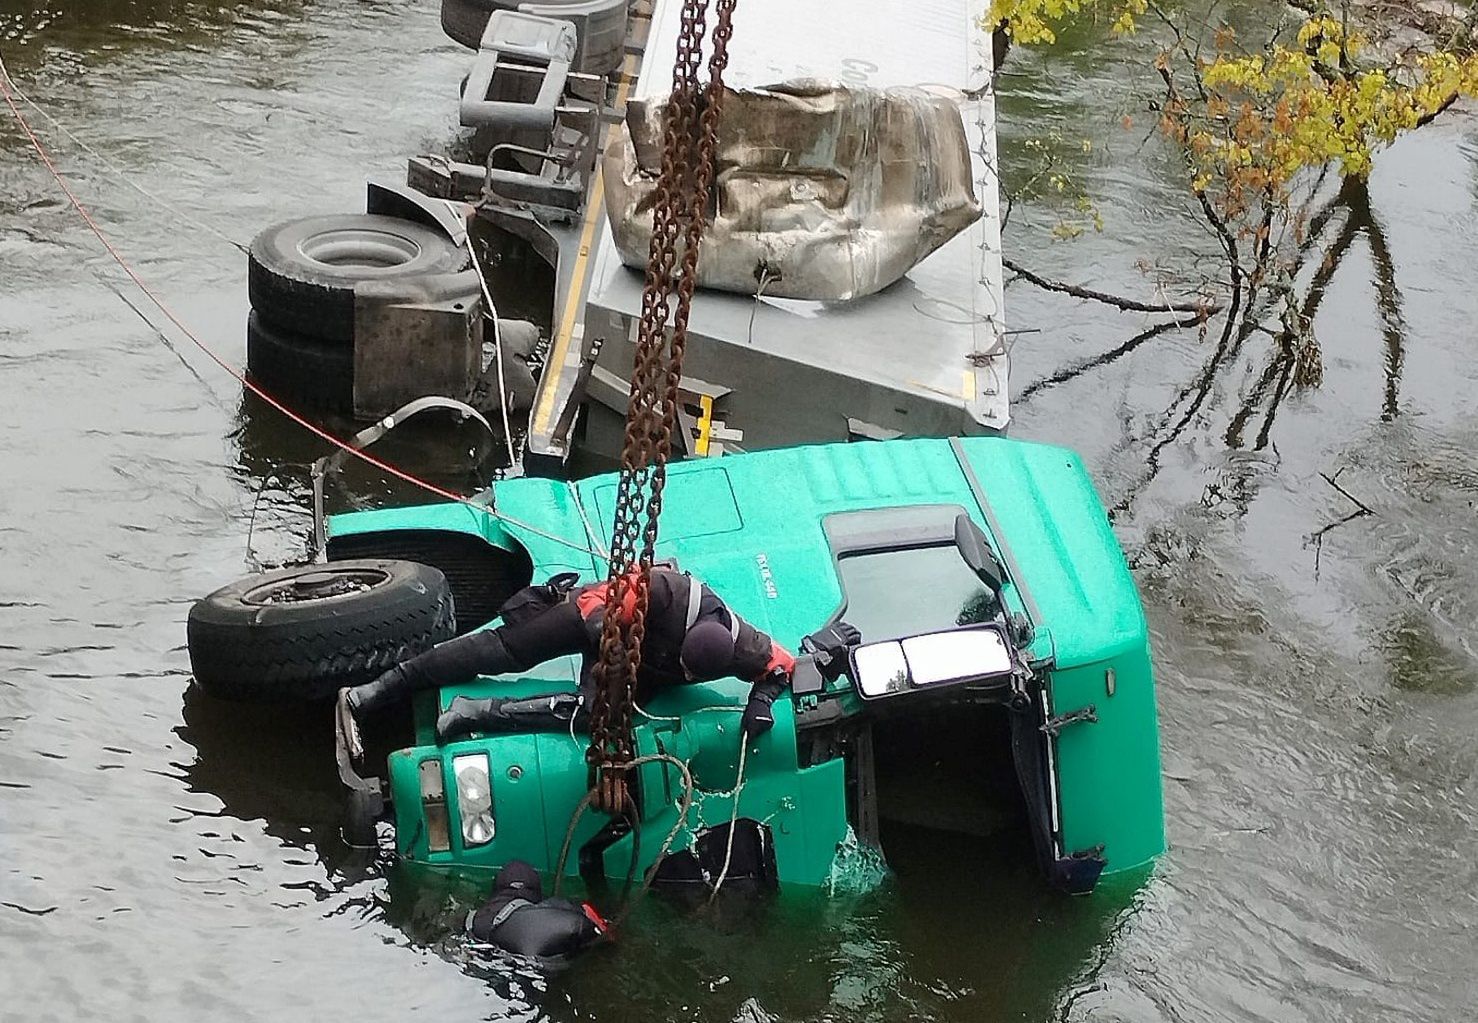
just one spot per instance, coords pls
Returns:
(679, 208)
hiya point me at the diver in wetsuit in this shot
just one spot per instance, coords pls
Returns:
(691, 636)
(518, 918)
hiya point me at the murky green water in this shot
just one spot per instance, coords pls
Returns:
(168, 857)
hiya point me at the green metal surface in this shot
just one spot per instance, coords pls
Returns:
(752, 526)
(537, 782)
(1109, 772)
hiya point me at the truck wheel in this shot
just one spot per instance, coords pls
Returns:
(300, 370)
(301, 273)
(299, 634)
(464, 22)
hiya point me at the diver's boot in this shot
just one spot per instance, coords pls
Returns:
(372, 697)
(356, 701)
(532, 714)
(347, 727)
(450, 663)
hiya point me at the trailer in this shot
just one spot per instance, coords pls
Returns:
(924, 356)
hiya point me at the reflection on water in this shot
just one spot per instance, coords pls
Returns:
(1318, 701)
(72, 32)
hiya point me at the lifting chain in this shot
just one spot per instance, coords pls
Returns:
(680, 203)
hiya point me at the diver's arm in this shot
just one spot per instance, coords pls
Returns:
(768, 666)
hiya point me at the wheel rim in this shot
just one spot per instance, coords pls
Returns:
(320, 585)
(359, 247)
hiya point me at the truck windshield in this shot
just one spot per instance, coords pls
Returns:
(908, 590)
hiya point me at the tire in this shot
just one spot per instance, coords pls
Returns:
(299, 634)
(301, 273)
(464, 21)
(300, 371)
(489, 6)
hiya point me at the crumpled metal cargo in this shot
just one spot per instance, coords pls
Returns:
(826, 191)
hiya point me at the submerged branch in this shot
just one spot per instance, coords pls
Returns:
(1333, 481)
(1202, 310)
(1062, 376)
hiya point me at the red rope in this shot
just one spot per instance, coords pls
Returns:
(312, 428)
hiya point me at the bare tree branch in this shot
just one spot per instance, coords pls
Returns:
(1062, 376)
(1202, 310)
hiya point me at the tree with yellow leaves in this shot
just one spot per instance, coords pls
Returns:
(1263, 130)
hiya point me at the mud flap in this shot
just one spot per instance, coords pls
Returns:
(365, 798)
(362, 809)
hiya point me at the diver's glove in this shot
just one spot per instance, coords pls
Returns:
(828, 648)
(759, 714)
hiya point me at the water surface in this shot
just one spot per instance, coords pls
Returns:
(168, 857)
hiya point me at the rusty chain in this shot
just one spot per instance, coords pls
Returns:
(679, 206)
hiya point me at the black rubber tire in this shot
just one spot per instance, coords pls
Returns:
(301, 273)
(464, 21)
(305, 649)
(300, 371)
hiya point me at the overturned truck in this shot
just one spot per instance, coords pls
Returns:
(1003, 680)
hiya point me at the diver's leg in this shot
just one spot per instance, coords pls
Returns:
(457, 660)
(547, 712)
(507, 648)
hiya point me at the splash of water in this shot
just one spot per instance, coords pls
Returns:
(857, 867)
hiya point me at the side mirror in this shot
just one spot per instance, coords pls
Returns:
(936, 660)
(976, 550)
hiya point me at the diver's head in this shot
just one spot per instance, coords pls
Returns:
(520, 878)
(708, 651)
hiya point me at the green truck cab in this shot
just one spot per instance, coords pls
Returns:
(999, 620)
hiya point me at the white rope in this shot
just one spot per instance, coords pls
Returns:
(696, 710)
(117, 171)
(590, 533)
(733, 817)
(520, 524)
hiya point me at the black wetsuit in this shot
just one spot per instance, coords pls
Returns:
(518, 919)
(573, 626)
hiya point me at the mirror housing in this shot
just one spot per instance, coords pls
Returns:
(977, 655)
(976, 550)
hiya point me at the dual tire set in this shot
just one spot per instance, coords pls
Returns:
(301, 279)
(298, 634)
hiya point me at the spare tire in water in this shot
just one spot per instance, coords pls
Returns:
(298, 370)
(301, 633)
(301, 273)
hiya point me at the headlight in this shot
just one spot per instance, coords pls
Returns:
(474, 798)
